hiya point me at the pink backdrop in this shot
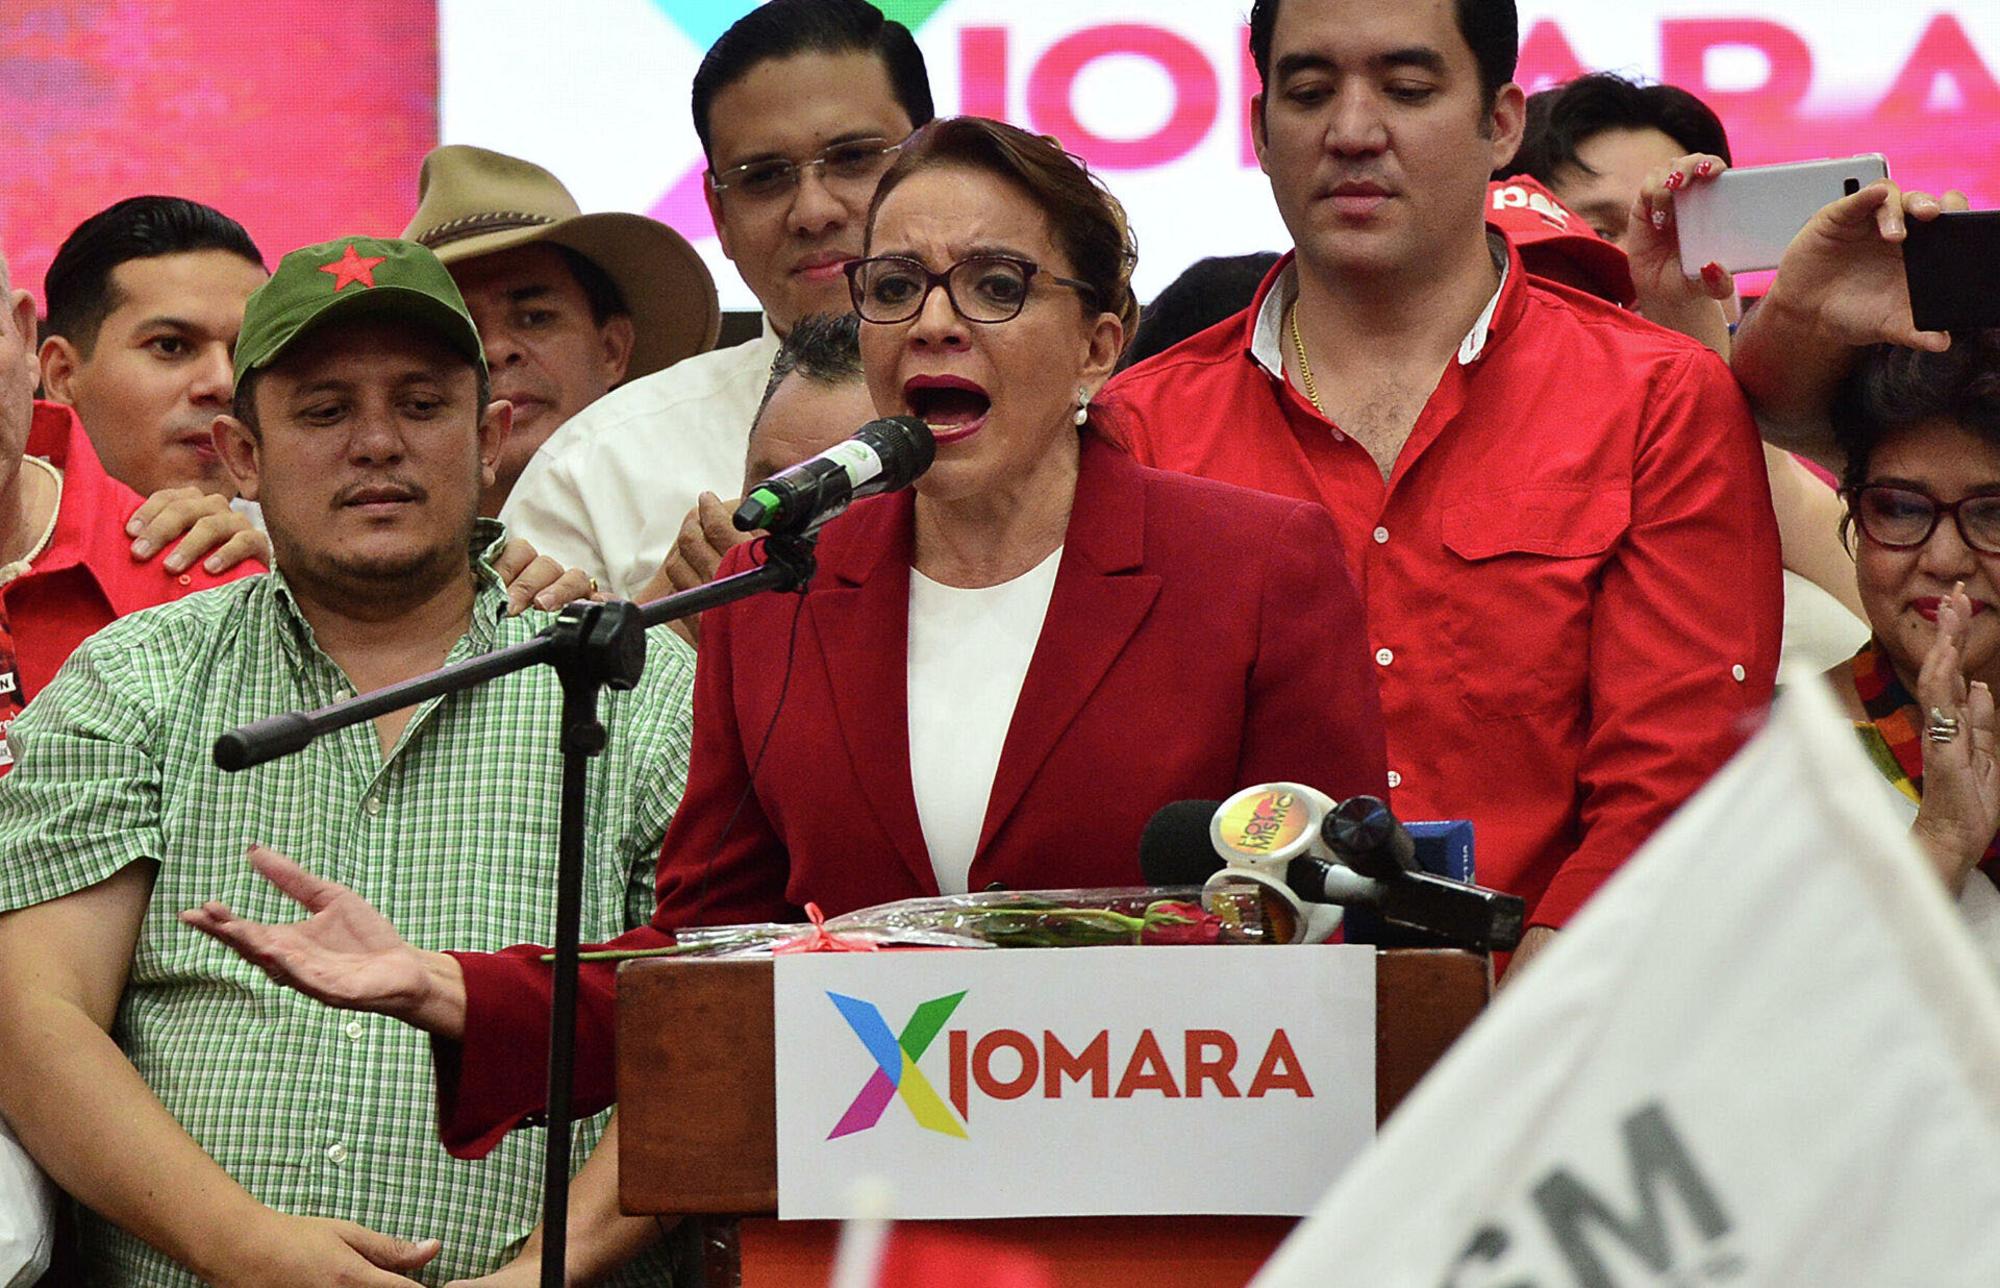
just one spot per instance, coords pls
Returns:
(308, 120)
(1938, 120)
(301, 119)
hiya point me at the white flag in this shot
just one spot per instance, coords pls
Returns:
(27, 1215)
(1766, 1054)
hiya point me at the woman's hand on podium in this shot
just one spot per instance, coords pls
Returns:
(345, 954)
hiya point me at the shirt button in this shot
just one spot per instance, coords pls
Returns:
(1384, 656)
(1738, 671)
(353, 1028)
(1395, 779)
(185, 580)
(373, 804)
(1381, 536)
(336, 1153)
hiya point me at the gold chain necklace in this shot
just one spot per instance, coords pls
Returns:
(1305, 367)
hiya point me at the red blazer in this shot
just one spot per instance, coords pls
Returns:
(1200, 637)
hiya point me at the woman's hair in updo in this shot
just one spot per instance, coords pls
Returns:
(1085, 220)
(1893, 388)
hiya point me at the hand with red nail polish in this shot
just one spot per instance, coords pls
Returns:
(1676, 296)
(1718, 282)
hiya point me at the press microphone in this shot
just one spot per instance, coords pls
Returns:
(1256, 831)
(1353, 853)
(1367, 837)
(1275, 827)
(882, 456)
(1174, 850)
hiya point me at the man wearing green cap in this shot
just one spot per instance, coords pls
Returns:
(219, 1128)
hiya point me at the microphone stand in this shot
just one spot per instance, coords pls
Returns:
(591, 646)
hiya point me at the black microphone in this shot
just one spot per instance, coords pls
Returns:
(1175, 849)
(1367, 838)
(882, 456)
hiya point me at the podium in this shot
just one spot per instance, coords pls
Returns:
(698, 1113)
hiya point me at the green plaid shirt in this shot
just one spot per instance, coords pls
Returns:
(453, 837)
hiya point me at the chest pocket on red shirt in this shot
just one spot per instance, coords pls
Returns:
(1522, 591)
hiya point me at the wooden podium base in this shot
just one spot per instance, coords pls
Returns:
(698, 1127)
(1084, 1252)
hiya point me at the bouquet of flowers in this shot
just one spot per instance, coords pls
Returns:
(1003, 919)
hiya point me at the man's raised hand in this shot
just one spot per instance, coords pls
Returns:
(345, 953)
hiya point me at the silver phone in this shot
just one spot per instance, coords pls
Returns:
(1745, 218)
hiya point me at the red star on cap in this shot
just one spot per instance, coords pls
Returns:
(351, 268)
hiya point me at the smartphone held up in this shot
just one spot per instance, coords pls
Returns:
(1744, 219)
(1952, 264)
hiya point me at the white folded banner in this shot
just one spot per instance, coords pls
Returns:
(1766, 1054)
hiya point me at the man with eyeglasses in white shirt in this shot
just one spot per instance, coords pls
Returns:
(800, 106)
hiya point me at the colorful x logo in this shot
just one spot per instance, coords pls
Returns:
(896, 1060)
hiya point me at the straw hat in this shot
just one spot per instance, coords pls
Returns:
(472, 202)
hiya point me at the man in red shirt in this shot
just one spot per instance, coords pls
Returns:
(66, 565)
(144, 299)
(1556, 511)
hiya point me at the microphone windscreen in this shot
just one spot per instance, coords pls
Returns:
(907, 447)
(1176, 849)
(1365, 835)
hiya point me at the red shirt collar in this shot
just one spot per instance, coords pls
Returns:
(90, 520)
(1513, 297)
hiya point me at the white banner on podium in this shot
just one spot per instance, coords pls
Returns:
(1107, 1081)
(1767, 1054)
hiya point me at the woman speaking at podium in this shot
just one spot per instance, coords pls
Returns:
(994, 680)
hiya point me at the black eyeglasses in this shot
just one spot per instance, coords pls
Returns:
(1901, 518)
(850, 163)
(984, 288)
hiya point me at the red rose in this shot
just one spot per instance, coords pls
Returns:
(1172, 922)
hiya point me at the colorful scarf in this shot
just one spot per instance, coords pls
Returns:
(1893, 733)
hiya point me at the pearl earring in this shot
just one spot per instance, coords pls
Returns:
(1082, 407)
